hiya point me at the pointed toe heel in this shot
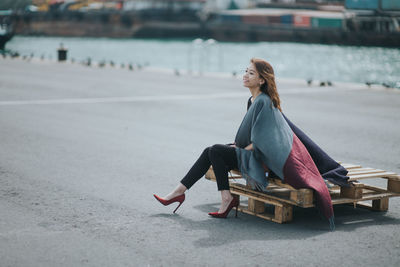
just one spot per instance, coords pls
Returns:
(165, 202)
(234, 203)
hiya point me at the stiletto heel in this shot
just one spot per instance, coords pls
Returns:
(234, 203)
(179, 199)
(178, 206)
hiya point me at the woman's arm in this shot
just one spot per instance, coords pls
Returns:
(249, 147)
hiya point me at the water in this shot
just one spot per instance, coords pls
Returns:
(290, 60)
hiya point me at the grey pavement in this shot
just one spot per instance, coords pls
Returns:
(83, 149)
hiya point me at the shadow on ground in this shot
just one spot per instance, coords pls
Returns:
(307, 223)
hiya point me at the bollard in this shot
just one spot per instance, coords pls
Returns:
(62, 53)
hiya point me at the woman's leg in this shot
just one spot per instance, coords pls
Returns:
(197, 171)
(223, 159)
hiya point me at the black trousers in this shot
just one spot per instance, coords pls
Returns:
(221, 157)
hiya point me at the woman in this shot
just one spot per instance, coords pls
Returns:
(264, 141)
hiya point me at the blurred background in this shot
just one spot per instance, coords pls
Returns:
(325, 40)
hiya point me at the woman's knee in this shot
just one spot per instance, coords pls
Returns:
(214, 150)
(206, 153)
(206, 150)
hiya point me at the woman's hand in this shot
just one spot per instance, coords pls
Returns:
(249, 147)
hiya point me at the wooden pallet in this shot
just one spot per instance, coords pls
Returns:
(283, 196)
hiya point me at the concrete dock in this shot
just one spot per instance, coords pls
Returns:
(83, 149)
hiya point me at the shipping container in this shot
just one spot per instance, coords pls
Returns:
(389, 5)
(255, 19)
(287, 19)
(363, 4)
(300, 20)
(318, 19)
(274, 19)
(230, 18)
(258, 11)
(317, 22)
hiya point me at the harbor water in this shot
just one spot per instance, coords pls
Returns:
(290, 60)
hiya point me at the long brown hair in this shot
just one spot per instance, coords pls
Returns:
(266, 72)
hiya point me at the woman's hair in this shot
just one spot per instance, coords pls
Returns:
(266, 72)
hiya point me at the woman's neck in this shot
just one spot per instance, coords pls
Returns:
(254, 93)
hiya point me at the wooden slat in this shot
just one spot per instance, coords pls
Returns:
(333, 187)
(236, 172)
(372, 175)
(376, 189)
(280, 183)
(395, 177)
(350, 166)
(263, 198)
(354, 192)
(361, 169)
(303, 197)
(372, 197)
(364, 171)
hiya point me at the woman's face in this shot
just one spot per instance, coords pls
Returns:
(251, 78)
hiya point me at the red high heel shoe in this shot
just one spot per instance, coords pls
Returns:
(179, 199)
(234, 203)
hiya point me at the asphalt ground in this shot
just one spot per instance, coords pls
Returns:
(83, 149)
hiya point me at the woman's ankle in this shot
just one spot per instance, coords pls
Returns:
(226, 196)
(181, 189)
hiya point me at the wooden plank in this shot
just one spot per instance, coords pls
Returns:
(370, 193)
(242, 190)
(375, 188)
(354, 192)
(394, 177)
(234, 175)
(302, 196)
(263, 198)
(364, 171)
(274, 186)
(351, 166)
(236, 172)
(280, 183)
(361, 169)
(364, 198)
(333, 187)
(372, 175)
